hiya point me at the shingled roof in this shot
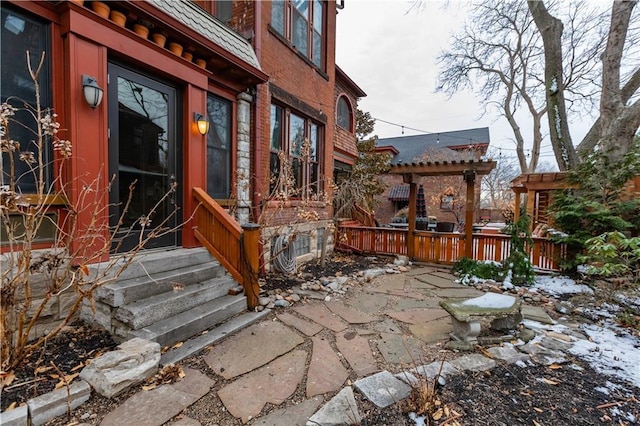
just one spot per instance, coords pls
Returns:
(412, 148)
(190, 14)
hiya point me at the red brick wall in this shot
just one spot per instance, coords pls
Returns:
(293, 74)
(345, 140)
(433, 187)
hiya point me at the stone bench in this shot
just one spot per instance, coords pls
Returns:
(466, 315)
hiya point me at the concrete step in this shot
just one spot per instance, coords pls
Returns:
(201, 341)
(145, 312)
(189, 323)
(152, 262)
(124, 292)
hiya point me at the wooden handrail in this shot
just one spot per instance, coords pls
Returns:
(363, 216)
(236, 249)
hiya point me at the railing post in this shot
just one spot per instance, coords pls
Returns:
(251, 253)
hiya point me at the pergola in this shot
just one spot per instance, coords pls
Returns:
(533, 183)
(468, 169)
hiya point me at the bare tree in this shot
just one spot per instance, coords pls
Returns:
(500, 54)
(619, 119)
(496, 186)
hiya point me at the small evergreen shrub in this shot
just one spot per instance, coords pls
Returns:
(518, 262)
(485, 270)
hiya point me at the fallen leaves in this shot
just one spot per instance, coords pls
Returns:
(549, 381)
(66, 380)
(168, 374)
(6, 378)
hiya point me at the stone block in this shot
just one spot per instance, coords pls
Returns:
(16, 417)
(133, 362)
(50, 405)
(383, 389)
(473, 362)
(340, 410)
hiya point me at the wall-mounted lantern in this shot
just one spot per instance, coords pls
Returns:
(92, 92)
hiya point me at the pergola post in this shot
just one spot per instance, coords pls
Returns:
(516, 208)
(412, 220)
(470, 179)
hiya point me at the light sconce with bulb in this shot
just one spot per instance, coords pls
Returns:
(92, 92)
(201, 123)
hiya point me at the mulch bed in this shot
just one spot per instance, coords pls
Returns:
(66, 353)
(336, 264)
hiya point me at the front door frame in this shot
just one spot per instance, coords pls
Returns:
(126, 241)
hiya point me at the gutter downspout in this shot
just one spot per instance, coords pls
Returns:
(257, 128)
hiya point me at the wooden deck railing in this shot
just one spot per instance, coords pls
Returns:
(235, 246)
(445, 247)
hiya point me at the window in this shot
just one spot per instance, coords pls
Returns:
(294, 158)
(344, 115)
(319, 242)
(20, 33)
(302, 245)
(221, 9)
(302, 23)
(219, 147)
(446, 202)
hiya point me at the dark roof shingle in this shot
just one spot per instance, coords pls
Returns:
(412, 148)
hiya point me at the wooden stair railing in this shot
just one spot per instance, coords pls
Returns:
(363, 216)
(236, 247)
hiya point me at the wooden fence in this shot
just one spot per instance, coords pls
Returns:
(444, 247)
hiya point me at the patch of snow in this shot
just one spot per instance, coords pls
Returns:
(491, 301)
(418, 420)
(610, 353)
(560, 285)
(507, 284)
(617, 412)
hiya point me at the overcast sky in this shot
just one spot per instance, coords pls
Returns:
(390, 51)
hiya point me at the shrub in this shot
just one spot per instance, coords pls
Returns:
(518, 262)
(480, 269)
(612, 254)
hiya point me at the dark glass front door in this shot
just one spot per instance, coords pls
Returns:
(143, 158)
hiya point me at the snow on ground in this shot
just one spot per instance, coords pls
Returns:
(610, 351)
(557, 285)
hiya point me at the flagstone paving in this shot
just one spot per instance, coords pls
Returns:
(406, 304)
(319, 313)
(237, 354)
(432, 331)
(397, 349)
(326, 372)
(296, 415)
(350, 315)
(357, 351)
(386, 326)
(456, 293)
(159, 405)
(369, 303)
(273, 383)
(418, 315)
(307, 327)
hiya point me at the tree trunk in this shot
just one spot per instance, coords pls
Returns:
(551, 30)
(617, 119)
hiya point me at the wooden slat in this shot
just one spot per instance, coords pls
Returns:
(446, 247)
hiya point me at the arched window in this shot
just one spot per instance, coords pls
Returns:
(344, 114)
